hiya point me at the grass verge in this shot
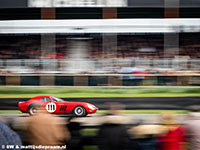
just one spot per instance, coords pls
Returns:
(144, 91)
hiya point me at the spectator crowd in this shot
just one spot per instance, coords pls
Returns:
(149, 46)
(113, 133)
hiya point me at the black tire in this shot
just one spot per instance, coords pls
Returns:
(32, 109)
(79, 111)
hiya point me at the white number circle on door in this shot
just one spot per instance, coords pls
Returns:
(51, 107)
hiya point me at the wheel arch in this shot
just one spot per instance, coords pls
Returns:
(33, 105)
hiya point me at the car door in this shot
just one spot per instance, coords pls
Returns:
(48, 105)
(61, 106)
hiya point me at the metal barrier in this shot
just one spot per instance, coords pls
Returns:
(96, 65)
(99, 79)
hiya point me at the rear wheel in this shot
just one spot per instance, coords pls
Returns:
(80, 111)
(32, 110)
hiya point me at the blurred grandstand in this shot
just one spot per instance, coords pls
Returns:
(100, 52)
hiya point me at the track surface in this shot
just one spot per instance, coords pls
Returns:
(130, 103)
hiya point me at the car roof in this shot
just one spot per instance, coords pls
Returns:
(41, 96)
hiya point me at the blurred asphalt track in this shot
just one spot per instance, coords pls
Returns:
(130, 103)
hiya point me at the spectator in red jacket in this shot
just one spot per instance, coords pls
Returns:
(175, 137)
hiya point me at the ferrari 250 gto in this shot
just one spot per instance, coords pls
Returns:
(56, 105)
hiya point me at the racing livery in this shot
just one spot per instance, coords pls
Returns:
(56, 105)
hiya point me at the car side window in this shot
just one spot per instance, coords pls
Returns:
(42, 100)
(45, 99)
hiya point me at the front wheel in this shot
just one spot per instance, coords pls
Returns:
(80, 111)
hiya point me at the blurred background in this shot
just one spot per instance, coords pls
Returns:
(62, 42)
(136, 60)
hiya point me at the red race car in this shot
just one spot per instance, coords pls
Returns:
(57, 106)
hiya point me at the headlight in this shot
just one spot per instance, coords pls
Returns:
(91, 106)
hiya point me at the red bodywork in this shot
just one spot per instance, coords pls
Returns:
(62, 107)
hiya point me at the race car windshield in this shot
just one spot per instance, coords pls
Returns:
(55, 99)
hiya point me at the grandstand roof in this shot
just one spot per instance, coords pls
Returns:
(100, 26)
